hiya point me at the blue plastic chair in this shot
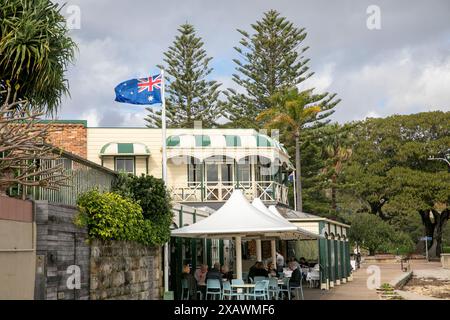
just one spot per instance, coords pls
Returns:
(213, 288)
(274, 290)
(239, 296)
(227, 291)
(285, 287)
(259, 291)
(259, 278)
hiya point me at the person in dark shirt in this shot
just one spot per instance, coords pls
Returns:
(191, 282)
(251, 272)
(296, 275)
(214, 273)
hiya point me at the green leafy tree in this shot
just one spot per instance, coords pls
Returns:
(293, 112)
(392, 177)
(153, 197)
(35, 50)
(270, 60)
(190, 95)
(377, 236)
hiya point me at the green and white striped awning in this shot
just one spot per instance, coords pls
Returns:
(124, 149)
(238, 147)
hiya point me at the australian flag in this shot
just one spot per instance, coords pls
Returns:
(140, 91)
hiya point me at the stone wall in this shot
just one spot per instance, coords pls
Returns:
(125, 271)
(60, 244)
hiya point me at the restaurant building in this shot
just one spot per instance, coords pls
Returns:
(204, 167)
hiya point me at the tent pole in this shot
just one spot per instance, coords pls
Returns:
(258, 250)
(238, 257)
(274, 254)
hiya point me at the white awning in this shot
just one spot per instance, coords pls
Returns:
(124, 149)
(237, 217)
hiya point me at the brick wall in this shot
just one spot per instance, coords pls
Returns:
(71, 137)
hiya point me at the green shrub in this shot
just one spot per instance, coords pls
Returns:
(152, 196)
(109, 216)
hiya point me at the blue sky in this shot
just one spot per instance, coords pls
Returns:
(402, 68)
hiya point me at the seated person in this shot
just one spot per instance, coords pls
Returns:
(303, 263)
(296, 276)
(259, 270)
(191, 282)
(251, 272)
(271, 270)
(215, 273)
(200, 276)
(226, 274)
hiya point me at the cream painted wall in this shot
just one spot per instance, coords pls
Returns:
(309, 226)
(17, 259)
(176, 173)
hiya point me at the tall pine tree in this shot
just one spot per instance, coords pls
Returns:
(270, 61)
(189, 95)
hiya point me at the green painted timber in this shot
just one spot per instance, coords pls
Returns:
(209, 253)
(331, 269)
(337, 259)
(127, 148)
(221, 258)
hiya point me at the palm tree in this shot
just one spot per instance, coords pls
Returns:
(336, 151)
(35, 50)
(293, 112)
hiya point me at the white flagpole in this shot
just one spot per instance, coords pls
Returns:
(164, 173)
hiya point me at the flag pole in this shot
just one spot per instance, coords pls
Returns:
(164, 173)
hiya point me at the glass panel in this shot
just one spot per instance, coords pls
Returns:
(227, 174)
(125, 165)
(194, 173)
(212, 174)
(244, 173)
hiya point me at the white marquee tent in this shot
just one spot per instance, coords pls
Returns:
(238, 219)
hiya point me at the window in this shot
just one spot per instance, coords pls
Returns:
(233, 141)
(202, 141)
(173, 141)
(125, 165)
(194, 173)
(244, 173)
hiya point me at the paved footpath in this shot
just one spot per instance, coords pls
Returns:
(357, 289)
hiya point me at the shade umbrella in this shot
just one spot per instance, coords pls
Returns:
(238, 219)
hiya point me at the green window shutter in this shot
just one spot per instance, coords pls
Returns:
(262, 141)
(125, 148)
(202, 141)
(173, 141)
(233, 141)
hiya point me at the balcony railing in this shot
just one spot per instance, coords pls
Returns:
(216, 191)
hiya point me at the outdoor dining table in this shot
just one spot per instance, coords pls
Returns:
(245, 286)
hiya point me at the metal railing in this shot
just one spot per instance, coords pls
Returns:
(216, 191)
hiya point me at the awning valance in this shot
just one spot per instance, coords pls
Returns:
(123, 149)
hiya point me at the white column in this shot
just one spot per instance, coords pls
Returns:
(274, 253)
(258, 250)
(238, 257)
(166, 266)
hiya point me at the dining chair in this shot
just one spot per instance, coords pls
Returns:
(274, 290)
(258, 278)
(227, 291)
(213, 288)
(239, 295)
(259, 291)
(285, 288)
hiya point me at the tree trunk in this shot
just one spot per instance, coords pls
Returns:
(434, 229)
(298, 173)
(333, 193)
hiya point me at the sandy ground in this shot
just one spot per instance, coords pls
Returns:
(431, 282)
